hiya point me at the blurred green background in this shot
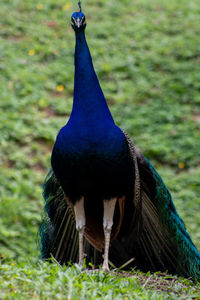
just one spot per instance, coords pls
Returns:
(147, 57)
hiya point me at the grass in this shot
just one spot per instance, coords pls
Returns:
(146, 55)
(51, 281)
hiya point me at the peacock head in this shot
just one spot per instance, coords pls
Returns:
(78, 21)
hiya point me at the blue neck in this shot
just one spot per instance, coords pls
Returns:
(89, 103)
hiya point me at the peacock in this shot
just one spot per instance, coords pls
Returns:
(101, 193)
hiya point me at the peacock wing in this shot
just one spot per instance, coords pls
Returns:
(178, 252)
(163, 242)
(58, 233)
(59, 237)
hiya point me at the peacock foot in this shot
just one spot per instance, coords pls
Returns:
(105, 267)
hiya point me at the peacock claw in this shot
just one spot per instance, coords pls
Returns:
(105, 268)
(81, 260)
(80, 265)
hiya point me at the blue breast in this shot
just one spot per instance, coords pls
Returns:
(91, 161)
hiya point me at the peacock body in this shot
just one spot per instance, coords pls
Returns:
(96, 167)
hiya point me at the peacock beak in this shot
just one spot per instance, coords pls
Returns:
(78, 23)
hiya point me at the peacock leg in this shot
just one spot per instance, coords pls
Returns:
(80, 226)
(109, 207)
